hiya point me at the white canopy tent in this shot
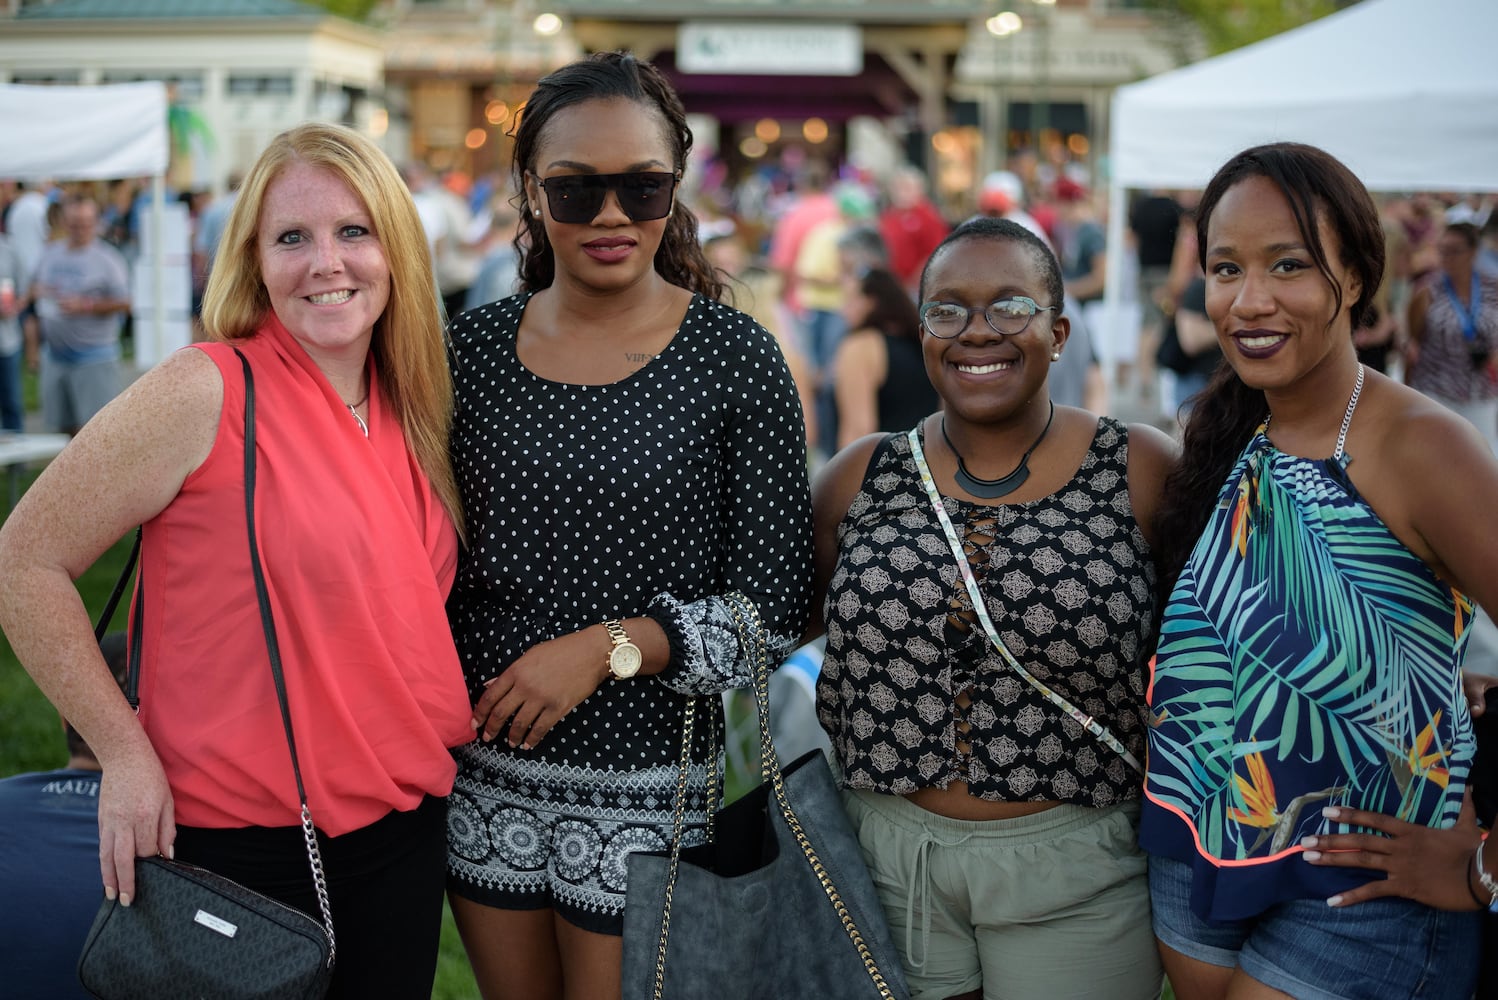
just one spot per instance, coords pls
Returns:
(93, 133)
(1405, 92)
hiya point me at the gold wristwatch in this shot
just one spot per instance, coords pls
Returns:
(624, 658)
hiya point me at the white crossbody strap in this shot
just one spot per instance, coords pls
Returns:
(1086, 721)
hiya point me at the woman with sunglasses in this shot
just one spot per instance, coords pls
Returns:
(989, 606)
(628, 451)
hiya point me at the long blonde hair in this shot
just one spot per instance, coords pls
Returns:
(408, 344)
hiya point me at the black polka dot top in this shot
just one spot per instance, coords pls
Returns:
(654, 495)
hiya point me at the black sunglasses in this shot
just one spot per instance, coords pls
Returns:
(576, 199)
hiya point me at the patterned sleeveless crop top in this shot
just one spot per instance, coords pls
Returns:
(911, 692)
(1306, 659)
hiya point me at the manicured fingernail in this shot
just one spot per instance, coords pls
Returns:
(1331, 812)
(1311, 855)
(171, 852)
(1334, 901)
(1308, 841)
(124, 899)
(473, 723)
(525, 746)
(110, 894)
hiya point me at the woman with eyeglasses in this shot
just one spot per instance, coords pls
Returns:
(1453, 332)
(989, 600)
(628, 451)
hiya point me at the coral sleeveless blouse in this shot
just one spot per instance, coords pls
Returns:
(359, 556)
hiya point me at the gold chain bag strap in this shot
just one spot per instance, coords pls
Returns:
(752, 639)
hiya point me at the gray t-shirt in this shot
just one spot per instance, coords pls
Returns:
(97, 271)
(1068, 378)
(11, 271)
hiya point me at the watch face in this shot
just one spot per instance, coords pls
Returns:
(625, 660)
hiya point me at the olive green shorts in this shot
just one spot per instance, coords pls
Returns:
(1050, 906)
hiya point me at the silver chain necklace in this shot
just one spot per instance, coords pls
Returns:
(1338, 455)
(1352, 404)
(362, 425)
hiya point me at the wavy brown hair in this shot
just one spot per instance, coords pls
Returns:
(1318, 187)
(408, 344)
(891, 310)
(605, 76)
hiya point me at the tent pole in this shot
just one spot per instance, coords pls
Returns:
(1113, 291)
(158, 267)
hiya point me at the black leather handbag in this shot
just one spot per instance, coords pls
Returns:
(189, 932)
(778, 904)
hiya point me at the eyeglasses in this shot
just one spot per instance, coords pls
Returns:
(1007, 316)
(576, 199)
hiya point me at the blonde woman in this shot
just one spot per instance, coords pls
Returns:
(324, 285)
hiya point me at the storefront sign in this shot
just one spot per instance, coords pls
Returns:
(770, 49)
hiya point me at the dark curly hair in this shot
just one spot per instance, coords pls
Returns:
(605, 76)
(1317, 186)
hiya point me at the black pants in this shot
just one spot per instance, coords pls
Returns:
(385, 884)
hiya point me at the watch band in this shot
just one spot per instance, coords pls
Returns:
(624, 659)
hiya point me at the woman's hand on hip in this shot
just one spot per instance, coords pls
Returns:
(539, 689)
(1421, 863)
(135, 818)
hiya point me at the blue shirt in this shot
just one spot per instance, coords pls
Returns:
(49, 880)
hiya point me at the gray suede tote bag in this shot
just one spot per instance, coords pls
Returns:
(778, 903)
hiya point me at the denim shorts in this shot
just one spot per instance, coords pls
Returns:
(1375, 950)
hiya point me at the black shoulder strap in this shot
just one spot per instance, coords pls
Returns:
(137, 617)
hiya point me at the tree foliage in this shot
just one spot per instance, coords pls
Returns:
(354, 10)
(1231, 24)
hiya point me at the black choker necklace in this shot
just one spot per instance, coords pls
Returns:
(992, 489)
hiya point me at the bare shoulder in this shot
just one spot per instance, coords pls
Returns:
(839, 481)
(1152, 456)
(179, 401)
(1413, 434)
(157, 431)
(864, 342)
(124, 467)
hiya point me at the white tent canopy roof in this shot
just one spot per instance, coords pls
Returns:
(1405, 92)
(83, 133)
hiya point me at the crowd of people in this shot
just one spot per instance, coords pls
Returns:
(1108, 704)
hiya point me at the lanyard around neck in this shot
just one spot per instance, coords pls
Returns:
(980, 609)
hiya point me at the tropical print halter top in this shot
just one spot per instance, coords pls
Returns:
(1306, 659)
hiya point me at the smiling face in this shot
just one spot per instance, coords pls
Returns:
(982, 375)
(323, 266)
(608, 136)
(1276, 315)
